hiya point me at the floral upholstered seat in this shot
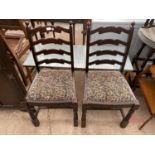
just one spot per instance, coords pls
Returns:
(52, 86)
(109, 88)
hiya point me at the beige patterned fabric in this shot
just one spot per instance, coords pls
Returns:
(108, 87)
(52, 86)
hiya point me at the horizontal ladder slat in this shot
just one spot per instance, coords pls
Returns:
(98, 62)
(47, 61)
(52, 51)
(51, 40)
(117, 30)
(106, 52)
(108, 41)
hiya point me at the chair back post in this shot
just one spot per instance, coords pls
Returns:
(128, 46)
(71, 46)
(28, 29)
(87, 47)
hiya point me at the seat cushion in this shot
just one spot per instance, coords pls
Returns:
(52, 86)
(108, 87)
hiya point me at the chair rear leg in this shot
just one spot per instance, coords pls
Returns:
(33, 115)
(75, 111)
(126, 119)
(83, 118)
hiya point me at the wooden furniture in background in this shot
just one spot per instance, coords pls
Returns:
(147, 36)
(12, 90)
(52, 88)
(137, 58)
(147, 86)
(107, 89)
(15, 34)
(14, 59)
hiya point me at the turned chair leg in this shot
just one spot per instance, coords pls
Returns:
(75, 110)
(126, 119)
(149, 119)
(83, 118)
(33, 114)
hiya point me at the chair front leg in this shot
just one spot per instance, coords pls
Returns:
(75, 110)
(126, 119)
(83, 118)
(33, 114)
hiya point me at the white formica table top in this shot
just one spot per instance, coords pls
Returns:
(79, 59)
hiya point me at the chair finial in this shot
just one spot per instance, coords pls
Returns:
(133, 24)
(71, 22)
(27, 24)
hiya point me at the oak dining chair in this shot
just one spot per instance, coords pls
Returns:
(52, 87)
(108, 89)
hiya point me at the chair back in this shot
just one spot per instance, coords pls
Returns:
(106, 45)
(55, 48)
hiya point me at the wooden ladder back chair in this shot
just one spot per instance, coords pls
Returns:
(52, 88)
(107, 89)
